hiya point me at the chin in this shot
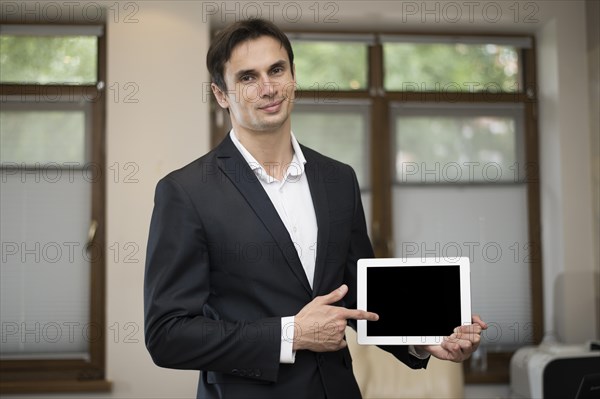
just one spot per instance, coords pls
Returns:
(272, 124)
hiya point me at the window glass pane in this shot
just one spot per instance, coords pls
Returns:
(48, 59)
(44, 136)
(450, 67)
(456, 149)
(338, 133)
(330, 65)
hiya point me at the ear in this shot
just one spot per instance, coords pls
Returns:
(220, 96)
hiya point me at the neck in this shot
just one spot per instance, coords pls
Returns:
(272, 150)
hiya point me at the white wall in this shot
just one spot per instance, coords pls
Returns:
(564, 123)
(163, 55)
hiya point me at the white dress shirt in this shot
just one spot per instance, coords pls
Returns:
(293, 202)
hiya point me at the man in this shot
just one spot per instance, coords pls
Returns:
(252, 252)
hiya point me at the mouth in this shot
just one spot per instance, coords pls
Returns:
(272, 107)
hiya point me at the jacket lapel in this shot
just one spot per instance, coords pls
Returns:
(318, 193)
(235, 167)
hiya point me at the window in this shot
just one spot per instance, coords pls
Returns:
(52, 208)
(48, 59)
(442, 132)
(311, 50)
(413, 63)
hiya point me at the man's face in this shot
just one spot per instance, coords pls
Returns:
(260, 86)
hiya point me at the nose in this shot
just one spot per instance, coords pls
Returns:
(267, 87)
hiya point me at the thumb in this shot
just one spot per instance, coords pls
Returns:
(334, 296)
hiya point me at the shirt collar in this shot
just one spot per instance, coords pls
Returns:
(295, 169)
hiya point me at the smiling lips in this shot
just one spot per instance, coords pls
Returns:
(272, 107)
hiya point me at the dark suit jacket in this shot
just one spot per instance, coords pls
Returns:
(221, 271)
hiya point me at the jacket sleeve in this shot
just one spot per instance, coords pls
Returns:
(178, 333)
(360, 247)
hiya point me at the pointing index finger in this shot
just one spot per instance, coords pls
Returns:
(358, 314)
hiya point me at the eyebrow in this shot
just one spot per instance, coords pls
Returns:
(243, 72)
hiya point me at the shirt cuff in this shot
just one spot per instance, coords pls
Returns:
(286, 354)
(418, 352)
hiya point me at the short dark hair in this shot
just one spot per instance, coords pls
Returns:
(241, 31)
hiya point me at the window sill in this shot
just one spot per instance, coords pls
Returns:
(56, 386)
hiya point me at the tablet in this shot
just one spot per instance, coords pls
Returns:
(419, 300)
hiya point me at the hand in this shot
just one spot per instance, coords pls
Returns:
(460, 345)
(320, 327)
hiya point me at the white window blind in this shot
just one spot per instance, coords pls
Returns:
(45, 208)
(488, 224)
(45, 273)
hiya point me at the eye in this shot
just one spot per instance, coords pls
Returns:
(277, 70)
(246, 78)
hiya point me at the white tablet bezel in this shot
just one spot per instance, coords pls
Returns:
(465, 296)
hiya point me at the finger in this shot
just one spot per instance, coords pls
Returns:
(468, 329)
(463, 338)
(467, 342)
(358, 314)
(476, 319)
(334, 296)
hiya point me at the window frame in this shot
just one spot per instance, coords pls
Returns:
(381, 141)
(73, 375)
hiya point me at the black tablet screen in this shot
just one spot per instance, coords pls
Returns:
(414, 300)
